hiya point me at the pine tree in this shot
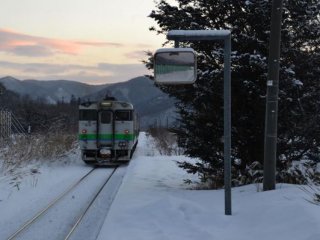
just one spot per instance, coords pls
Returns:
(2, 89)
(201, 106)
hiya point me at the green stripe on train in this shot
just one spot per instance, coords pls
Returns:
(106, 136)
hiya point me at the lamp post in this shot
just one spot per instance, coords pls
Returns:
(225, 36)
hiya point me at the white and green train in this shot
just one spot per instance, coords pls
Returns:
(108, 131)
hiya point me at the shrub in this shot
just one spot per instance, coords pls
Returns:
(23, 150)
(165, 141)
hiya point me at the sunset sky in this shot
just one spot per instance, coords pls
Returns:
(91, 41)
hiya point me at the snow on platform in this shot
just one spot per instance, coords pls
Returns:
(153, 203)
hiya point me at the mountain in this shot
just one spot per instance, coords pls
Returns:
(153, 106)
(51, 91)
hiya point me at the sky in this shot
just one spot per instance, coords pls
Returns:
(91, 41)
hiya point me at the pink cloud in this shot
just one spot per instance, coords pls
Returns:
(100, 44)
(24, 44)
(136, 55)
(92, 74)
(66, 47)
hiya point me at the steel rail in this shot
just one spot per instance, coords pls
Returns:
(40, 213)
(89, 205)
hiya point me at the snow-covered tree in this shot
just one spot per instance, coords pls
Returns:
(201, 106)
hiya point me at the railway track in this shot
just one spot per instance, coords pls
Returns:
(62, 217)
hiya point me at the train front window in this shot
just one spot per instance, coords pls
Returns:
(123, 115)
(106, 117)
(87, 115)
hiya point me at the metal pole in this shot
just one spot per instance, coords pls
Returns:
(216, 35)
(227, 124)
(271, 121)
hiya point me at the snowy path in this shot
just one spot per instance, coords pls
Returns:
(58, 220)
(17, 205)
(153, 203)
(90, 226)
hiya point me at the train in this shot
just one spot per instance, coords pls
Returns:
(108, 131)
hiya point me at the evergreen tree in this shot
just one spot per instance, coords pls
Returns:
(2, 89)
(7, 97)
(201, 106)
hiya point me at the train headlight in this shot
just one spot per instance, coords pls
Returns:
(123, 144)
(84, 131)
(106, 104)
(126, 131)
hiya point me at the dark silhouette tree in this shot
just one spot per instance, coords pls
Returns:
(200, 106)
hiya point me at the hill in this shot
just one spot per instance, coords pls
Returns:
(153, 106)
(51, 91)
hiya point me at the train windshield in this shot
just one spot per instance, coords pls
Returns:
(106, 117)
(87, 115)
(123, 115)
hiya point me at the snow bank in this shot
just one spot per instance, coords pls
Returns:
(153, 203)
(26, 190)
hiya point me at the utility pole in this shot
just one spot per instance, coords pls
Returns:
(271, 120)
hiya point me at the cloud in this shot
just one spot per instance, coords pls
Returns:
(144, 46)
(100, 44)
(32, 51)
(34, 46)
(118, 67)
(136, 55)
(43, 68)
(96, 74)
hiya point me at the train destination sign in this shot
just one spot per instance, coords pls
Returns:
(175, 66)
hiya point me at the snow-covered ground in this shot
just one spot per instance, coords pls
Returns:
(153, 203)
